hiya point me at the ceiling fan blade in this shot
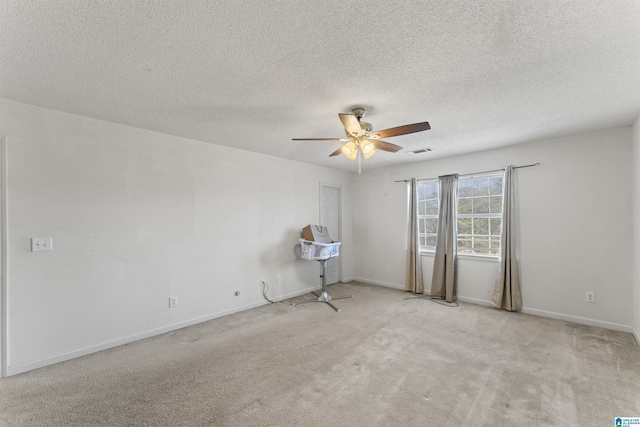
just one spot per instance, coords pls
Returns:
(335, 153)
(403, 130)
(320, 139)
(385, 146)
(351, 124)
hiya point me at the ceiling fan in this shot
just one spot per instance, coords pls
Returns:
(362, 140)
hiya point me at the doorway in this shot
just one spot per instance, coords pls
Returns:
(331, 217)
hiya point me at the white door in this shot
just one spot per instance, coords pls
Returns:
(330, 202)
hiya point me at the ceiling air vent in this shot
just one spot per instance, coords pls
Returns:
(422, 150)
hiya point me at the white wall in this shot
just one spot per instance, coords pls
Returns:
(636, 228)
(136, 217)
(575, 223)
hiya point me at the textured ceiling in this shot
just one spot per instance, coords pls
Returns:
(254, 74)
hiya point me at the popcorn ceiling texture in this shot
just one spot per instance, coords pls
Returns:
(254, 74)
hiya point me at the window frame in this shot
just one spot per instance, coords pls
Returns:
(424, 249)
(489, 215)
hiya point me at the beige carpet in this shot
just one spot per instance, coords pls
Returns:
(381, 361)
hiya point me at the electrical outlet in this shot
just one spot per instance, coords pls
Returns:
(173, 302)
(590, 296)
(41, 244)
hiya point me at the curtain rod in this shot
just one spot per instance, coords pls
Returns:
(477, 173)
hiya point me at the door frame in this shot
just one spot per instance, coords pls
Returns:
(4, 312)
(339, 188)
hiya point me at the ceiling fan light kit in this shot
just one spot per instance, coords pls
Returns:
(368, 148)
(350, 150)
(362, 141)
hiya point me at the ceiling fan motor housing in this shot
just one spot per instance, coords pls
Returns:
(366, 130)
(358, 112)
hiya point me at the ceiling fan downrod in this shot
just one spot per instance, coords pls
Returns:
(359, 112)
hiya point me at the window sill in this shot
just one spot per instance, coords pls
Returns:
(483, 258)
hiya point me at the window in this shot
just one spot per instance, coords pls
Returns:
(428, 194)
(479, 214)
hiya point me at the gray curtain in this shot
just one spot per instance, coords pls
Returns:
(506, 293)
(444, 264)
(414, 262)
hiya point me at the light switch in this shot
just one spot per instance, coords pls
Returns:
(41, 244)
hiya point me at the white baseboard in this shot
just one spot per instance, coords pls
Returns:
(293, 294)
(636, 336)
(385, 284)
(578, 319)
(29, 366)
(532, 311)
(475, 301)
(535, 312)
(560, 316)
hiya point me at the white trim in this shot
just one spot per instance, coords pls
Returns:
(578, 319)
(378, 283)
(479, 257)
(560, 316)
(28, 366)
(533, 311)
(4, 306)
(340, 214)
(470, 257)
(474, 301)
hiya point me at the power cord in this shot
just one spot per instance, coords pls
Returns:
(437, 300)
(265, 289)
